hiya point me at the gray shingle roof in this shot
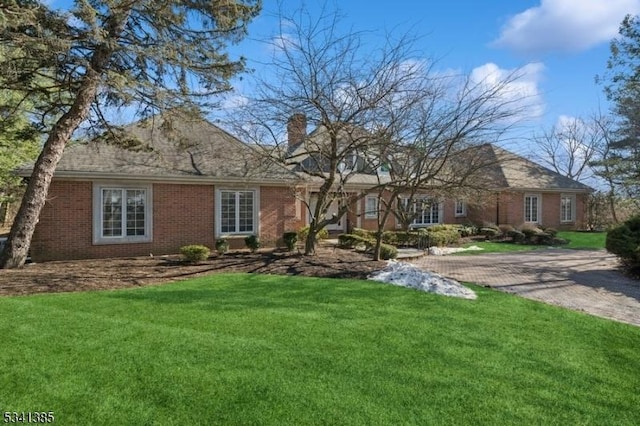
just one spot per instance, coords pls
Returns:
(194, 148)
(180, 148)
(516, 172)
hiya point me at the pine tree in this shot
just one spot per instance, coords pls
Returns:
(147, 54)
(622, 87)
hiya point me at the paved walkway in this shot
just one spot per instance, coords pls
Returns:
(581, 280)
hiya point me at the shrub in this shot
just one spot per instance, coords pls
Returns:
(530, 231)
(362, 233)
(290, 239)
(407, 238)
(490, 232)
(624, 242)
(551, 231)
(252, 242)
(323, 234)
(390, 237)
(557, 241)
(222, 245)
(442, 237)
(544, 239)
(435, 228)
(516, 236)
(467, 230)
(195, 253)
(505, 229)
(353, 241)
(388, 252)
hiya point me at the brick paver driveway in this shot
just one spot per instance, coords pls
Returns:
(582, 280)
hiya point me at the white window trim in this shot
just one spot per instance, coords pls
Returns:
(218, 212)
(464, 208)
(573, 208)
(539, 209)
(371, 214)
(348, 163)
(440, 216)
(98, 238)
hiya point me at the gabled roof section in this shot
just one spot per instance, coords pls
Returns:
(182, 148)
(513, 171)
(312, 152)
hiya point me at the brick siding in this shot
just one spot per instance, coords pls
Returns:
(182, 214)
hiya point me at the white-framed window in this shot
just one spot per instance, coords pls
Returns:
(428, 211)
(122, 213)
(567, 208)
(237, 211)
(460, 209)
(532, 207)
(349, 163)
(371, 204)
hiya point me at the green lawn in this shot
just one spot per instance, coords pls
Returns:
(577, 241)
(252, 349)
(584, 240)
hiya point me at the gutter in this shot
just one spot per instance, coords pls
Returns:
(195, 180)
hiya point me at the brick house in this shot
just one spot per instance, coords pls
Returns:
(187, 181)
(515, 190)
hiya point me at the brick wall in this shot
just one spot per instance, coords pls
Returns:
(511, 210)
(505, 208)
(182, 214)
(280, 212)
(64, 230)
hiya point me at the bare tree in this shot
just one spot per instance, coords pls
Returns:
(444, 152)
(570, 146)
(326, 78)
(371, 108)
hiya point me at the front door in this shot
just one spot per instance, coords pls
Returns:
(331, 211)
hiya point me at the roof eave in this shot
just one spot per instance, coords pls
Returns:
(195, 180)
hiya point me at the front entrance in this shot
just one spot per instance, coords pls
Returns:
(331, 211)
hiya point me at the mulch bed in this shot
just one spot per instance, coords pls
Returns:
(107, 274)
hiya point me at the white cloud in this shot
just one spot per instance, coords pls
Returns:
(517, 87)
(565, 25)
(282, 42)
(233, 100)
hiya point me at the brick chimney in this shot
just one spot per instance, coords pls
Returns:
(296, 130)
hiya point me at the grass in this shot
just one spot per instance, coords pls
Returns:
(252, 349)
(584, 240)
(577, 241)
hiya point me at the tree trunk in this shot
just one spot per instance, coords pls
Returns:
(611, 198)
(310, 242)
(17, 246)
(376, 248)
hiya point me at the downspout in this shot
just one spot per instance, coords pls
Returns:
(497, 209)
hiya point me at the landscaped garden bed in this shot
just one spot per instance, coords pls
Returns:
(104, 274)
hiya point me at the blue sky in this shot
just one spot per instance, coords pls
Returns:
(559, 45)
